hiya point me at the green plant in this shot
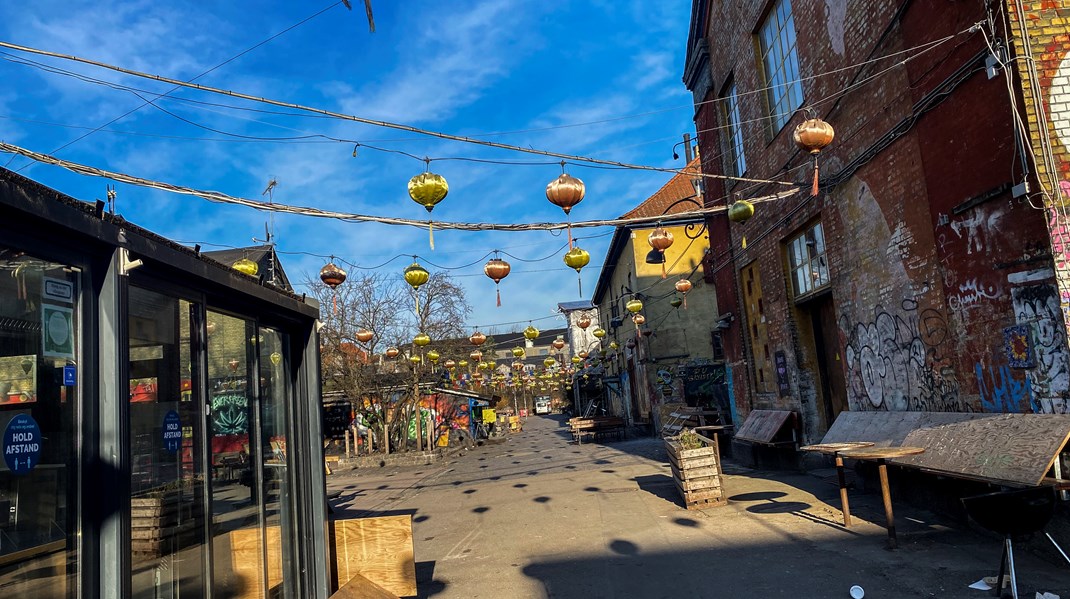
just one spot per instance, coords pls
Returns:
(689, 439)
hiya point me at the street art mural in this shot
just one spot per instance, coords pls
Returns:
(900, 360)
(1039, 307)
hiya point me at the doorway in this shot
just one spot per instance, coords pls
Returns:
(832, 386)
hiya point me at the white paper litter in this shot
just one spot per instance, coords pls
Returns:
(981, 585)
(1047, 596)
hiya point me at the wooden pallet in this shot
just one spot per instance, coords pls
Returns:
(697, 473)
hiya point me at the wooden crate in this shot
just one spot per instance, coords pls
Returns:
(697, 473)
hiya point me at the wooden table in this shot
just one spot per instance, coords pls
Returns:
(834, 450)
(881, 455)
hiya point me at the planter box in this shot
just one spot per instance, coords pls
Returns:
(697, 473)
(163, 523)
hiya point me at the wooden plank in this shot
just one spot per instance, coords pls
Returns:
(380, 549)
(761, 426)
(694, 462)
(693, 473)
(359, 587)
(246, 561)
(1002, 448)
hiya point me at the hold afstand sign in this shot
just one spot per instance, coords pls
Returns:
(22, 444)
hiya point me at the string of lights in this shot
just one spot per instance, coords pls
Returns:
(215, 196)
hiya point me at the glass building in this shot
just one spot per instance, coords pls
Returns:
(159, 412)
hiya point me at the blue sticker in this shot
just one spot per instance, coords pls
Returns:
(22, 444)
(70, 376)
(172, 431)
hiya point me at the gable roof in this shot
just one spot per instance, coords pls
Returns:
(677, 188)
(267, 261)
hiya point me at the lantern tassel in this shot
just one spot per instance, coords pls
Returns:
(334, 300)
(570, 234)
(744, 242)
(685, 301)
(813, 190)
(579, 283)
(499, 292)
(663, 270)
(431, 234)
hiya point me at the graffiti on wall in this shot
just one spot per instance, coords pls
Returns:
(1039, 307)
(1001, 392)
(976, 228)
(836, 18)
(899, 361)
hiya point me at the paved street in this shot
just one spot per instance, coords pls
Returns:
(537, 516)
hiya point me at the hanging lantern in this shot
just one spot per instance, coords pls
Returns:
(422, 339)
(477, 356)
(416, 275)
(566, 191)
(462, 363)
(332, 276)
(492, 364)
(449, 364)
(428, 189)
(638, 319)
(477, 338)
(577, 258)
(531, 333)
(497, 269)
(630, 344)
(599, 332)
(518, 352)
(613, 345)
(276, 358)
(484, 365)
(584, 322)
(548, 362)
(558, 343)
(660, 240)
(740, 211)
(583, 354)
(576, 359)
(433, 356)
(518, 365)
(392, 352)
(683, 286)
(675, 302)
(364, 335)
(812, 135)
(415, 359)
(246, 266)
(634, 305)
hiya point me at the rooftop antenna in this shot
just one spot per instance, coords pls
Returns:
(269, 229)
(111, 199)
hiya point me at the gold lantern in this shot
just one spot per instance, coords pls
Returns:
(364, 335)
(812, 135)
(433, 356)
(613, 345)
(422, 339)
(741, 211)
(415, 359)
(246, 266)
(599, 332)
(558, 343)
(675, 302)
(477, 338)
(276, 358)
(462, 363)
(660, 240)
(392, 352)
(531, 333)
(477, 356)
(576, 359)
(584, 322)
(497, 269)
(577, 258)
(634, 305)
(484, 365)
(518, 352)
(548, 362)
(428, 189)
(416, 275)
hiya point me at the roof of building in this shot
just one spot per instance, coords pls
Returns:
(576, 305)
(266, 260)
(679, 187)
(546, 337)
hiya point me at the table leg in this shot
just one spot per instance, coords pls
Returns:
(882, 468)
(843, 491)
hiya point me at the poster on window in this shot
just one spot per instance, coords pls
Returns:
(57, 331)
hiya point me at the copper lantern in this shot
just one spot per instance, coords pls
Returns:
(565, 191)
(477, 338)
(364, 335)
(332, 276)
(812, 135)
(392, 352)
(497, 269)
(584, 322)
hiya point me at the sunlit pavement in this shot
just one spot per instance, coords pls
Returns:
(538, 516)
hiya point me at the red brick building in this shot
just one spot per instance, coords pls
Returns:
(921, 275)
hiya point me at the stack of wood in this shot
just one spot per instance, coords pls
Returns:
(696, 470)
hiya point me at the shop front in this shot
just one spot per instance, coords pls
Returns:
(159, 414)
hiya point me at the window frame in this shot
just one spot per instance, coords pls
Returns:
(735, 159)
(782, 81)
(801, 269)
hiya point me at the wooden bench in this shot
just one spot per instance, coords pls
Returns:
(596, 427)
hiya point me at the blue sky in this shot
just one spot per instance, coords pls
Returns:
(518, 69)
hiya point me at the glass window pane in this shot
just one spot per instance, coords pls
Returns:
(167, 515)
(780, 62)
(39, 344)
(279, 515)
(237, 543)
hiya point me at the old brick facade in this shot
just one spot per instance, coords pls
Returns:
(937, 268)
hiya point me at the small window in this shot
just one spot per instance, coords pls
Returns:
(809, 266)
(735, 162)
(780, 61)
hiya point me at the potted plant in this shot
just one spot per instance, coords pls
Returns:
(696, 469)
